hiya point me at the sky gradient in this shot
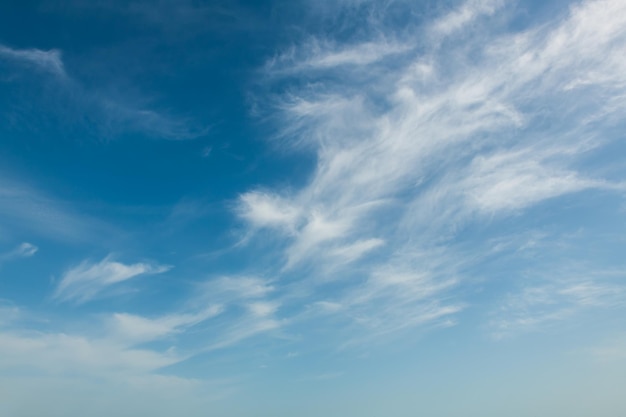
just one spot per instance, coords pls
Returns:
(314, 208)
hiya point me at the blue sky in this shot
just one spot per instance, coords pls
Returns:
(278, 208)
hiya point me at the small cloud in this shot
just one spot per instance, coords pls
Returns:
(83, 282)
(261, 210)
(228, 289)
(114, 114)
(263, 309)
(321, 55)
(49, 61)
(24, 250)
(132, 329)
(27, 209)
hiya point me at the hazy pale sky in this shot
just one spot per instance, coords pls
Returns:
(312, 208)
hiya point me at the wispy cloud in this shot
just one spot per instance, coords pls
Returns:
(541, 304)
(133, 329)
(249, 304)
(456, 169)
(27, 208)
(418, 142)
(105, 368)
(65, 354)
(230, 288)
(395, 296)
(49, 61)
(465, 15)
(266, 210)
(321, 55)
(233, 308)
(114, 114)
(84, 281)
(121, 115)
(24, 250)
(107, 350)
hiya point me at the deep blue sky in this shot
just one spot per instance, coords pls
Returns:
(278, 208)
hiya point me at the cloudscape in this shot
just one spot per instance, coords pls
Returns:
(312, 208)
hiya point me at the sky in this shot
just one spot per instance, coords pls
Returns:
(312, 207)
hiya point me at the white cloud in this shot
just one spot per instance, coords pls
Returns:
(25, 208)
(45, 60)
(229, 288)
(86, 280)
(113, 114)
(516, 180)
(263, 309)
(249, 305)
(462, 114)
(235, 308)
(109, 350)
(24, 250)
(412, 149)
(466, 14)
(27, 250)
(70, 373)
(266, 210)
(244, 329)
(413, 143)
(318, 54)
(132, 329)
(356, 250)
(535, 308)
(318, 230)
(590, 293)
(404, 292)
(119, 114)
(62, 354)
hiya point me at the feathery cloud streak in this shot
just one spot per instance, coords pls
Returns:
(25, 208)
(50, 61)
(83, 282)
(114, 115)
(24, 250)
(416, 142)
